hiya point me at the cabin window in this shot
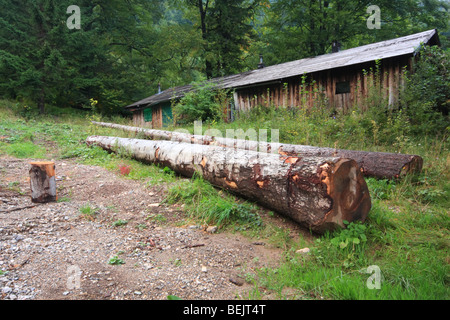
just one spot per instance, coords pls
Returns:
(342, 87)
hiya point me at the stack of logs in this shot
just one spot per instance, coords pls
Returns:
(319, 188)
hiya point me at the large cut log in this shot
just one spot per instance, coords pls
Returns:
(372, 164)
(318, 193)
(42, 182)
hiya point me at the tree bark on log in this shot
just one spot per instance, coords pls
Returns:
(43, 182)
(316, 192)
(380, 165)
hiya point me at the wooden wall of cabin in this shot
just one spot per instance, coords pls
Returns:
(138, 118)
(140, 121)
(157, 118)
(322, 88)
(153, 117)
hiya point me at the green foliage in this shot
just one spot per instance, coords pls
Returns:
(229, 30)
(88, 212)
(20, 144)
(352, 236)
(124, 49)
(226, 30)
(116, 261)
(427, 95)
(335, 268)
(168, 171)
(141, 226)
(46, 63)
(307, 28)
(119, 223)
(23, 150)
(159, 218)
(205, 103)
(295, 29)
(203, 202)
(381, 189)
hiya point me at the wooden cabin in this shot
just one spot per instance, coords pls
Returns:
(339, 80)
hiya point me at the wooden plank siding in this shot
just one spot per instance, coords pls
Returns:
(351, 72)
(318, 89)
(139, 120)
(161, 115)
(369, 83)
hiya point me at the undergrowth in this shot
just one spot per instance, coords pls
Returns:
(203, 202)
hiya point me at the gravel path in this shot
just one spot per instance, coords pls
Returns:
(53, 252)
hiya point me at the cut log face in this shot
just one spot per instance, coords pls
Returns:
(380, 165)
(43, 182)
(317, 192)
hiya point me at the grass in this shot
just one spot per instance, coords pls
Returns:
(176, 262)
(158, 218)
(23, 150)
(203, 202)
(88, 212)
(406, 235)
(119, 223)
(141, 226)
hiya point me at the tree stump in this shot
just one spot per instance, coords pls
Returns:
(43, 182)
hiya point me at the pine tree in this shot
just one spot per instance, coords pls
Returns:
(108, 59)
(230, 33)
(32, 60)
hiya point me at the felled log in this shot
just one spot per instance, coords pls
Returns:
(318, 193)
(380, 165)
(159, 134)
(43, 182)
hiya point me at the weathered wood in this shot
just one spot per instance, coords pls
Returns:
(318, 193)
(372, 164)
(43, 182)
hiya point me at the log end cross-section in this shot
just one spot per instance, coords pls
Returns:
(322, 193)
(349, 192)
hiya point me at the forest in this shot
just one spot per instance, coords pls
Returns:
(122, 50)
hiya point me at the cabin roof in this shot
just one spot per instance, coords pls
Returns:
(402, 46)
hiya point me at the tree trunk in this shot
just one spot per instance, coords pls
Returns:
(318, 193)
(203, 10)
(372, 164)
(43, 183)
(41, 102)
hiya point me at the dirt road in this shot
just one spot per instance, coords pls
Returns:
(54, 252)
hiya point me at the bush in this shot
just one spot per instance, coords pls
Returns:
(426, 98)
(203, 103)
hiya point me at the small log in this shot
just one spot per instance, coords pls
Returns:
(317, 192)
(43, 182)
(381, 165)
